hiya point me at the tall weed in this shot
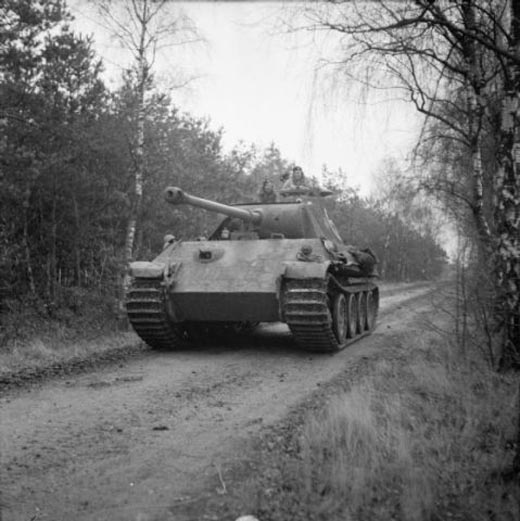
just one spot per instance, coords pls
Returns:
(423, 437)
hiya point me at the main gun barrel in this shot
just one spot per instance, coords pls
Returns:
(176, 196)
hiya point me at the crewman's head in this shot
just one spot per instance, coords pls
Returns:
(297, 175)
(267, 186)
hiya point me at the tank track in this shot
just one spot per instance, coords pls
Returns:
(307, 312)
(146, 309)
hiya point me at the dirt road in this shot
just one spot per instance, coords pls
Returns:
(142, 440)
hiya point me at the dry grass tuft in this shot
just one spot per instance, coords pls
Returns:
(31, 336)
(424, 437)
(42, 351)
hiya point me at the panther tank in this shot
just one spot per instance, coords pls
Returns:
(265, 262)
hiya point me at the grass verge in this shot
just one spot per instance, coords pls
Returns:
(31, 337)
(423, 433)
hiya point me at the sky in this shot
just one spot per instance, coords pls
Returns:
(264, 85)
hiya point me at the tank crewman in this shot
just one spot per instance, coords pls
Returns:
(296, 185)
(267, 193)
(225, 233)
(168, 239)
(232, 226)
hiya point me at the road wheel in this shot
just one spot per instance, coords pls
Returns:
(362, 312)
(339, 318)
(352, 315)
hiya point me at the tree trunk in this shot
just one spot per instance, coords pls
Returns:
(52, 271)
(384, 263)
(475, 113)
(77, 253)
(516, 461)
(138, 166)
(507, 212)
(507, 204)
(27, 249)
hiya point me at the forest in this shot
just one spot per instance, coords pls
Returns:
(83, 168)
(418, 421)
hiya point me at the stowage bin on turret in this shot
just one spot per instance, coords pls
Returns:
(266, 262)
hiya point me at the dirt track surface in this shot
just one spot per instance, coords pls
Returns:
(145, 439)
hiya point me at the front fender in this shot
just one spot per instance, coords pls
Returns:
(147, 270)
(306, 270)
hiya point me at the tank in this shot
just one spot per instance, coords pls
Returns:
(265, 262)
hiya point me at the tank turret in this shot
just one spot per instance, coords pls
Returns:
(289, 219)
(176, 196)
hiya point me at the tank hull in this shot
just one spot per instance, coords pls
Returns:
(232, 280)
(194, 286)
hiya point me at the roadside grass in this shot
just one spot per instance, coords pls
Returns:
(42, 351)
(426, 436)
(31, 337)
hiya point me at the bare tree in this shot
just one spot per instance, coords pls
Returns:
(143, 27)
(455, 61)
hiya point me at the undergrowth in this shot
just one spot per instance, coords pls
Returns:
(426, 436)
(33, 333)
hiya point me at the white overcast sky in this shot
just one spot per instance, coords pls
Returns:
(263, 85)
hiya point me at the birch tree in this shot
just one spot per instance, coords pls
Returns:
(143, 27)
(507, 191)
(454, 61)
